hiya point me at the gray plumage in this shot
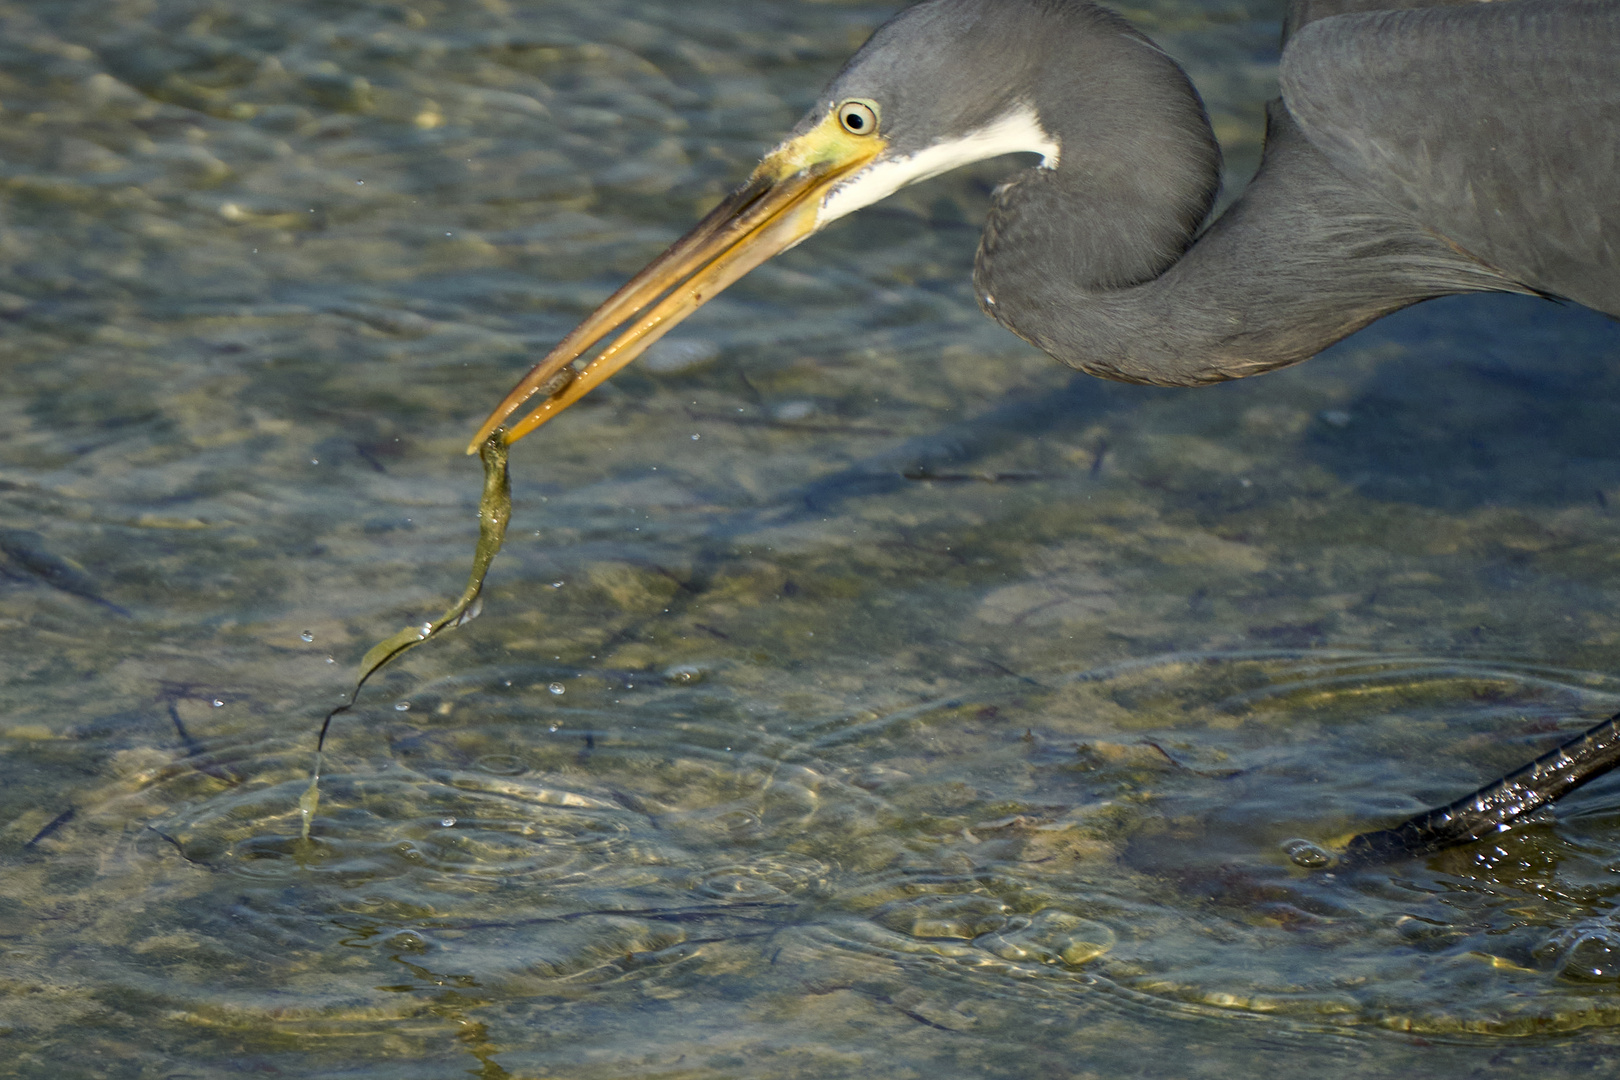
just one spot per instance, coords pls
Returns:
(1498, 127)
(1414, 153)
(1417, 150)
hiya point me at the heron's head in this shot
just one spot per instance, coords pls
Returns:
(943, 84)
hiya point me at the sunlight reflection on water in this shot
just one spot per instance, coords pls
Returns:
(850, 773)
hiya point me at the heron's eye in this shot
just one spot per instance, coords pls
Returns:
(858, 117)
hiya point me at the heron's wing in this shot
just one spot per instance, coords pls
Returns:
(1301, 12)
(1496, 125)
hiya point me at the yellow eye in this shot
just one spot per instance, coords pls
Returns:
(859, 117)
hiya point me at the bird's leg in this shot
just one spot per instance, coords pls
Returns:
(1496, 806)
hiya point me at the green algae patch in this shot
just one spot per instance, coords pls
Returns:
(494, 512)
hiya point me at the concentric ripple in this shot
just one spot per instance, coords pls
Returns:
(1108, 839)
(1140, 828)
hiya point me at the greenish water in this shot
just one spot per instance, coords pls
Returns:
(763, 760)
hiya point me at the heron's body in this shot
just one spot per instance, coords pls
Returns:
(1413, 154)
(1418, 149)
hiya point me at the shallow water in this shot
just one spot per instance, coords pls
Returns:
(763, 760)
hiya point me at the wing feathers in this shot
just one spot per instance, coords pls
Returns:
(1497, 125)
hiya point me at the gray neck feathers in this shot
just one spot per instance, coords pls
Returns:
(1096, 262)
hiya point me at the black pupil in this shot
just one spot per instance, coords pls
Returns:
(853, 120)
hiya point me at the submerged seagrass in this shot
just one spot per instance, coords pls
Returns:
(494, 513)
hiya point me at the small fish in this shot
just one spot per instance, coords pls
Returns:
(25, 551)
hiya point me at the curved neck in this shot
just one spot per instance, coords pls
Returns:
(1300, 261)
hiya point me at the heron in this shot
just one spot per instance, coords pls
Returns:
(1419, 148)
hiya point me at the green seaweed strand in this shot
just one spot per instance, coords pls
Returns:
(494, 511)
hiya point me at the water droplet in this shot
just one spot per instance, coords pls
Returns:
(506, 682)
(1587, 951)
(556, 584)
(1305, 853)
(683, 674)
(552, 729)
(407, 940)
(306, 636)
(218, 703)
(314, 461)
(402, 706)
(556, 688)
(475, 609)
(695, 438)
(331, 659)
(447, 821)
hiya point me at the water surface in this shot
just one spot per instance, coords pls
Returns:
(860, 693)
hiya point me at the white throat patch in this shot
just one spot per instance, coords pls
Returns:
(1017, 132)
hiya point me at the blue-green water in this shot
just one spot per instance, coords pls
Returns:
(763, 760)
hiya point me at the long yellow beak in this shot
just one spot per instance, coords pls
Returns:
(774, 210)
